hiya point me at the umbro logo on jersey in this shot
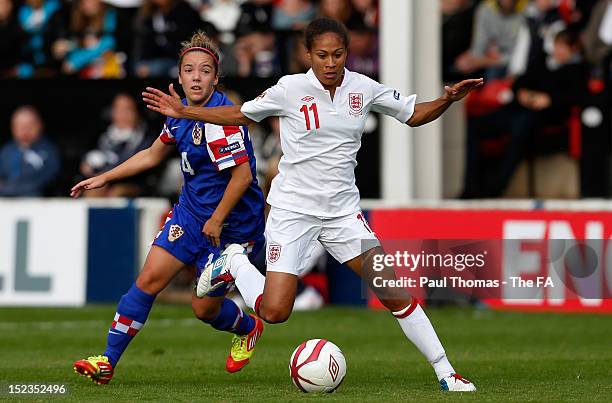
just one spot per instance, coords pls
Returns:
(308, 98)
(396, 95)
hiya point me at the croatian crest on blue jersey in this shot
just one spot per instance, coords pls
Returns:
(196, 134)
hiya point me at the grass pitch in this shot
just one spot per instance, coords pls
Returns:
(509, 356)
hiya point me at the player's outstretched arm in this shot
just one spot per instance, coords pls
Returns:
(426, 112)
(171, 105)
(139, 162)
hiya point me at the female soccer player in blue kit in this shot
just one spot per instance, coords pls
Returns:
(220, 204)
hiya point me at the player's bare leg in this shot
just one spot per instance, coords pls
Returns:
(159, 269)
(271, 297)
(276, 302)
(132, 312)
(412, 319)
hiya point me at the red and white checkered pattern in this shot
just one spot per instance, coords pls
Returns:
(166, 135)
(225, 145)
(126, 325)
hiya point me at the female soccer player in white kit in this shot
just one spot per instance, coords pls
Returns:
(314, 197)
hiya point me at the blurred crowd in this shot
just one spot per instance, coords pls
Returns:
(141, 38)
(540, 127)
(544, 62)
(30, 163)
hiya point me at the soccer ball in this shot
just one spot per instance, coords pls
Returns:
(317, 365)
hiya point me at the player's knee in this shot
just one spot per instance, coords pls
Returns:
(148, 283)
(396, 305)
(274, 315)
(205, 313)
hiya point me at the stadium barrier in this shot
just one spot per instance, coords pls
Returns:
(59, 252)
(568, 242)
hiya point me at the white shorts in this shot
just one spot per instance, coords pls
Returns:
(291, 238)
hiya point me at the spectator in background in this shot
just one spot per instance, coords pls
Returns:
(367, 11)
(255, 15)
(223, 14)
(35, 17)
(536, 37)
(457, 27)
(576, 13)
(30, 162)
(538, 123)
(161, 25)
(550, 90)
(496, 28)
(255, 47)
(88, 48)
(11, 39)
(363, 51)
(126, 135)
(256, 55)
(340, 10)
(598, 34)
(551, 87)
(298, 59)
(292, 15)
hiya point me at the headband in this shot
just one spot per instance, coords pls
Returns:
(203, 50)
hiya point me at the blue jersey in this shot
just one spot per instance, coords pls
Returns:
(206, 152)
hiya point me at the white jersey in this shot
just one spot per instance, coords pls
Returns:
(320, 138)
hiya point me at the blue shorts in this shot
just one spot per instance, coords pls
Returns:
(182, 237)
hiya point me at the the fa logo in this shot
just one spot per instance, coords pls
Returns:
(355, 103)
(196, 134)
(274, 251)
(334, 368)
(175, 232)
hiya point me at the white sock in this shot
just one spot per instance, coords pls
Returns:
(249, 281)
(420, 332)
